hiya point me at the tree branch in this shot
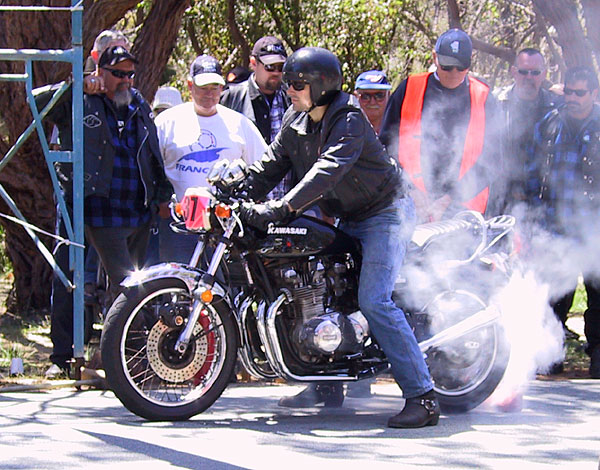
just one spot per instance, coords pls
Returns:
(155, 41)
(562, 14)
(453, 14)
(236, 34)
(191, 30)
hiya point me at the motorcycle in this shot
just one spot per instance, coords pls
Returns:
(285, 304)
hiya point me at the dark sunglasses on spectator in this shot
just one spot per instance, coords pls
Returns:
(297, 85)
(378, 96)
(121, 73)
(570, 91)
(535, 73)
(448, 68)
(273, 67)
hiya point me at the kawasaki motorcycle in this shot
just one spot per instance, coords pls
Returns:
(285, 304)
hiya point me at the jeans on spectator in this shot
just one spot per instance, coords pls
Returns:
(120, 249)
(152, 254)
(175, 247)
(384, 238)
(90, 265)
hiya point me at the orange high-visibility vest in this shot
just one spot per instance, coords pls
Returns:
(409, 143)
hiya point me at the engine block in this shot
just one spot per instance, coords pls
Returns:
(309, 300)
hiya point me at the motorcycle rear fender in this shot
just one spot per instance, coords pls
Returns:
(185, 274)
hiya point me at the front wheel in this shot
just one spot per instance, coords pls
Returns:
(467, 370)
(142, 367)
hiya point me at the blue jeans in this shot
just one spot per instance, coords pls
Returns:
(175, 247)
(384, 238)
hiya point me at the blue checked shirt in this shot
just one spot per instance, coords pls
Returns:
(565, 170)
(276, 116)
(124, 206)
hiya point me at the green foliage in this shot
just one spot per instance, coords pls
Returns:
(396, 36)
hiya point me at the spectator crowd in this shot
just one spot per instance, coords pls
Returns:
(458, 144)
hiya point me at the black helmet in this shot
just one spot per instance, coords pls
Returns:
(319, 68)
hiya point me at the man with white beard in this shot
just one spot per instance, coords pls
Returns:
(124, 178)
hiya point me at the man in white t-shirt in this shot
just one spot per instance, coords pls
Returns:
(192, 136)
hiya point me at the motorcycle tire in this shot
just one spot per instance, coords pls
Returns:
(143, 369)
(466, 371)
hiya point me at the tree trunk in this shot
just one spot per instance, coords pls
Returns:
(454, 21)
(236, 35)
(26, 177)
(154, 43)
(562, 14)
(591, 13)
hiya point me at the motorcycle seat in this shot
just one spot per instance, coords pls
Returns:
(424, 234)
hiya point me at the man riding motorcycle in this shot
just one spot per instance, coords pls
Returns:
(341, 166)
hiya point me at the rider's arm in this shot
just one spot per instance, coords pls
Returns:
(341, 149)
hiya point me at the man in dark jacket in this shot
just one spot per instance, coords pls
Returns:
(564, 184)
(123, 180)
(342, 167)
(443, 129)
(523, 104)
(261, 98)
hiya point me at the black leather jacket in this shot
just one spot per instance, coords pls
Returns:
(520, 119)
(99, 151)
(339, 161)
(247, 99)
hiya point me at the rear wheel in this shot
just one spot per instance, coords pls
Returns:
(468, 369)
(144, 370)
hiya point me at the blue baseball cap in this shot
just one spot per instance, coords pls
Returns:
(454, 48)
(372, 80)
(206, 70)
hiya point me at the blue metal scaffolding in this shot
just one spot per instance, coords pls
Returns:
(74, 227)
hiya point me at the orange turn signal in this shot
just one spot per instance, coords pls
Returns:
(178, 209)
(223, 211)
(206, 296)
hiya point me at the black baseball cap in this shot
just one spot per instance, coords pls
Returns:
(454, 48)
(206, 70)
(115, 55)
(269, 50)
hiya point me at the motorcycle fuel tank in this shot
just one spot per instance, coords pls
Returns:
(304, 236)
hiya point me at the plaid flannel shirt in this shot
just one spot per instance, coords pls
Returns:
(562, 177)
(276, 115)
(124, 207)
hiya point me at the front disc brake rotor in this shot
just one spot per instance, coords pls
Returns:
(169, 364)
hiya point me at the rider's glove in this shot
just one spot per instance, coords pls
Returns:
(260, 215)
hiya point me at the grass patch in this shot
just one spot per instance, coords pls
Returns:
(29, 340)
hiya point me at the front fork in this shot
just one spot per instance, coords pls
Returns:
(205, 284)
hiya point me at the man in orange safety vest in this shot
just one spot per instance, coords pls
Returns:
(443, 127)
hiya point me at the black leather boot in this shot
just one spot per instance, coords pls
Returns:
(330, 394)
(418, 412)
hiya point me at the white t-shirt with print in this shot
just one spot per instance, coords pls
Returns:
(190, 144)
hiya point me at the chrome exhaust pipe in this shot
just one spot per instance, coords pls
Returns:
(478, 320)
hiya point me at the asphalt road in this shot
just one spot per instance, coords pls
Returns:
(558, 427)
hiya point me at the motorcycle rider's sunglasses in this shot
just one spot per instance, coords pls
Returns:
(535, 73)
(570, 91)
(272, 67)
(448, 68)
(297, 85)
(121, 73)
(377, 96)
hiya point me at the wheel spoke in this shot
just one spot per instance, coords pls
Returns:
(152, 365)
